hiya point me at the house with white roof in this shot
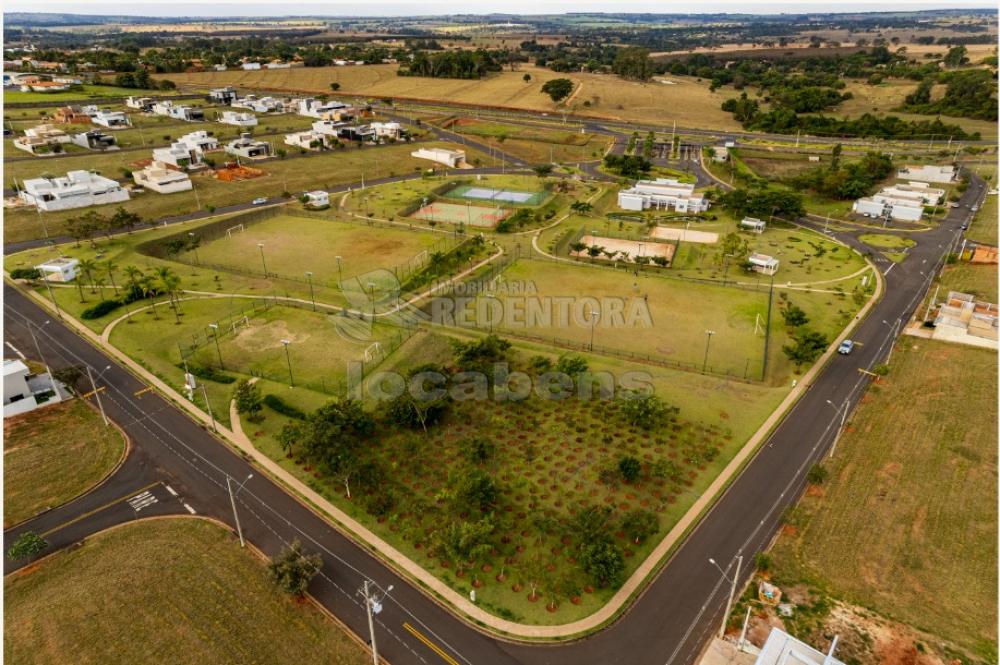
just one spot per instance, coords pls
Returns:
(111, 119)
(41, 140)
(763, 263)
(307, 140)
(225, 95)
(250, 66)
(753, 224)
(180, 112)
(95, 139)
(783, 649)
(238, 119)
(452, 158)
(317, 199)
(78, 189)
(158, 177)
(391, 131)
(144, 104)
(248, 148)
(921, 191)
(258, 104)
(314, 108)
(891, 207)
(61, 269)
(662, 194)
(928, 173)
(24, 391)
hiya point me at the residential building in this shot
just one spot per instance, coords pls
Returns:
(307, 140)
(928, 173)
(160, 178)
(277, 65)
(250, 66)
(44, 86)
(660, 194)
(41, 140)
(762, 263)
(179, 154)
(77, 189)
(238, 119)
(327, 128)
(95, 139)
(200, 140)
(71, 115)
(224, 96)
(360, 133)
(452, 158)
(315, 108)
(62, 269)
(391, 131)
(144, 104)
(753, 224)
(317, 199)
(111, 119)
(783, 649)
(24, 391)
(180, 112)
(248, 148)
(219, 68)
(928, 195)
(258, 104)
(963, 319)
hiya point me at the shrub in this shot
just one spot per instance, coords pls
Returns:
(25, 273)
(100, 309)
(27, 546)
(283, 407)
(209, 374)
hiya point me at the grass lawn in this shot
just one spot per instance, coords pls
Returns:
(52, 455)
(535, 144)
(906, 525)
(774, 165)
(86, 92)
(894, 247)
(984, 225)
(323, 170)
(178, 591)
(979, 280)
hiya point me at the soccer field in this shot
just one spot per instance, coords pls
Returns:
(454, 213)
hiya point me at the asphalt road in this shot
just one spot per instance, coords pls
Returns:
(669, 623)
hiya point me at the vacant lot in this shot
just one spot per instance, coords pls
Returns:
(52, 455)
(979, 280)
(684, 99)
(906, 525)
(86, 92)
(178, 591)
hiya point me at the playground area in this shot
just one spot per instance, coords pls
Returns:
(685, 235)
(617, 249)
(481, 193)
(455, 213)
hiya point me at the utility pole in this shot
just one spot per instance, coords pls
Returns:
(594, 315)
(288, 359)
(232, 501)
(215, 335)
(38, 349)
(97, 395)
(312, 295)
(842, 411)
(892, 337)
(732, 590)
(263, 263)
(708, 341)
(373, 606)
(208, 405)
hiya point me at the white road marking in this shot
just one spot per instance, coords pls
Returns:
(142, 500)
(888, 269)
(190, 509)
(171, 490)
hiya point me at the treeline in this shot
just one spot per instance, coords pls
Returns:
(970, 93)
(846, 181)
(452, 64)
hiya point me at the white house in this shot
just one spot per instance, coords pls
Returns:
(24, 391)
(317, 199)
(892, 207)
(144, 104)
(250, 66)
(753, 224)
(77, 189)
(762, 263)
(178, 154)
(182, 112)
(783, 649)
(95, 139)
(928, 173)
(387, 130)
(916, 190)
(314, 108)
(248, 148)
(62, 269)
(200, 140)
(307, 140)
(277, 65)
(662, 193)
(257, 104)
(452, 158)
(42, 140)
(327, 128)
(238, 119)
(219, 68)
(111, 119)
(225, 95)
(159, 178)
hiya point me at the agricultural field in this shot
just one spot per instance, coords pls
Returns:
(906, 524)
(683, 99)
(321, 170)
(53, 455)
(228, 610)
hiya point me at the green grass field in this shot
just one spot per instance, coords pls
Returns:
(86, 92)
(906, 525)
(979, 280)
(52, 455)
(179, 591)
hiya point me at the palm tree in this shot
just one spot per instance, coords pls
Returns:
(110, 266)
(132, 274)
(170, 283)
(87, 267)
(99, 284)
(148, 287)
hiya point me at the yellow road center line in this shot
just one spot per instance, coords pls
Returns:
(430, 645)
(100, 508)
(101, 389)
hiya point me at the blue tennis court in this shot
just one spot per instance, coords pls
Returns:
(498, 195)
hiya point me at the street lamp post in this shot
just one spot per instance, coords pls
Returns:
(312, 295)
(708, 342)
(340, 273)
(208, 405)
(192, 236)
(892, 340)
(38, 349)
(490, 317)
(288, 359)
(260, 246)
(97, 395)
(52, 296)
(373, 606)
(232, 501)
(842, 412)
(732, 590)
(594, 315)
(371, 290)
(218, 349)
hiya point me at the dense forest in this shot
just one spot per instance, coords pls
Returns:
(451, 64)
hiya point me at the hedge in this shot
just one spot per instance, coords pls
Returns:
(209, 374)
(100, 309)
(283, 407)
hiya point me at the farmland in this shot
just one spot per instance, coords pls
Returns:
(228, 610)
(54, 454)
(905, 525)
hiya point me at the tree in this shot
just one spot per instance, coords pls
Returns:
(542, 170)
(640, 524)
(735, 246)
(526, 78)
(290, 435)
(480, 355)
(794, 315)
(334, 432)
(27, 546)
(124, 219)
(466, 541)
(743, 108)
(593, 251)
(645, 410)
(590, 524)
(293, 569)
(110, 267)
(88, 267)
(248, 399)
(956, 56)
(602, 560)
(630, 468)
(557, 89)
(335, 86)
(478, 450)
(581, 207)
(808, 346)
(572, 364)
(476, 490)
(633, 64)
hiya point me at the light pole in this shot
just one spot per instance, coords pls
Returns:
(48, 286)
(490, 317)
(208, 405)
(312, 296)
(192, 236)
(373, 606)
(288, 359)
(708, 342)
(371, 290)
(340, 273)
(97, 395)
(732, 590)
(232, 501)
(260, 246)
(218, 349)
(38, 348)
(594, 315)
(892, 340)
(842, 412)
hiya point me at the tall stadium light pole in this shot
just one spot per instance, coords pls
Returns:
(260, 246)
(708, 342)
(232, 501)
(842, 412)
(733, 581)
(218, 349)
(312, 295)
(594, 315)
(288, 359)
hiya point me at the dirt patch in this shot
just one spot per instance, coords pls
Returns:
(262, 337)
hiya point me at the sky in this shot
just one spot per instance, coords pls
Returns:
(218, 8)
